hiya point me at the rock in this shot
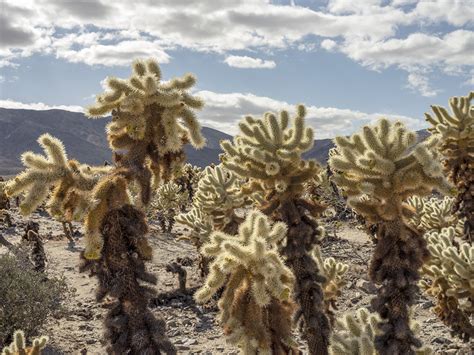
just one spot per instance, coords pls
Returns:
(366, 286)
(187, 322)
(441, 340)
(356, 299)
(172, 324)
(182, 347)
(190, 342)
(427, 305)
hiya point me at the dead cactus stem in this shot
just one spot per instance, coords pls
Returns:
(130, 326)
(303, 235)
(399, 254)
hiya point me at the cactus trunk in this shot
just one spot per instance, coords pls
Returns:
(130, 326)
(303, 234)
(399, 254)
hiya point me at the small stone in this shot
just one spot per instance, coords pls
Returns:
(187, 322)
(366, 286)
(427, 305)
(172, 324)
(189, 341)
(356, 299)
(441, 340)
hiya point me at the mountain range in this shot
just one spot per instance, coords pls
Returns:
(85, 139)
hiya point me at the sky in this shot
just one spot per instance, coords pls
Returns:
(351, 62)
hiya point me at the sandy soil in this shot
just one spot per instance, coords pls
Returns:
(192, 328)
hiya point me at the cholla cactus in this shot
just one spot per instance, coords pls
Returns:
(70, 181)
(201, 229)
(18, 346)
(200, 224)
(168, 201)
(333, 271)
(146, 116)
(451, 273)
(4, 201)
(147, 141)
(434, 217)
(255, 307)
(434, 214)
(218, 196)
(379, 169)
(456, 130)
(354, 334)
(188, 178)
(269, 153)
(77, 189)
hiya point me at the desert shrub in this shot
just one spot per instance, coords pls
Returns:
(27, 298)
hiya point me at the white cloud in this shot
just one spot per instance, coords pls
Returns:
(365, 31)
(328, 44)
(115, 54)
(224, 111)
(39, 106)
(418, 49)
(419, 82)
(249, 62)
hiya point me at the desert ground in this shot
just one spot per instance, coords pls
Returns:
(191, 327)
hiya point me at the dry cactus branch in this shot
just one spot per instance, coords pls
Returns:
(130, 325)
(34, 240)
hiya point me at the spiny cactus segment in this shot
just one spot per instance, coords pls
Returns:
(354, 334)
(256, 306)
(146, 122)
(18, 346)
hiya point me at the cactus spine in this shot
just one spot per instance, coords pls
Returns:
(456, 130)
(147, 141)
(269, 153)
(378, 169)
(255, 307)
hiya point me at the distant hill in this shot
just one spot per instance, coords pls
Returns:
(85, 139)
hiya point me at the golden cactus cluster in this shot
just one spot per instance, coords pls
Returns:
(456, 130)
(434, 214)
(255, 307)
(18, 346)
(218, 195)
(354, 334)
(269, 151)
(380, 167)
